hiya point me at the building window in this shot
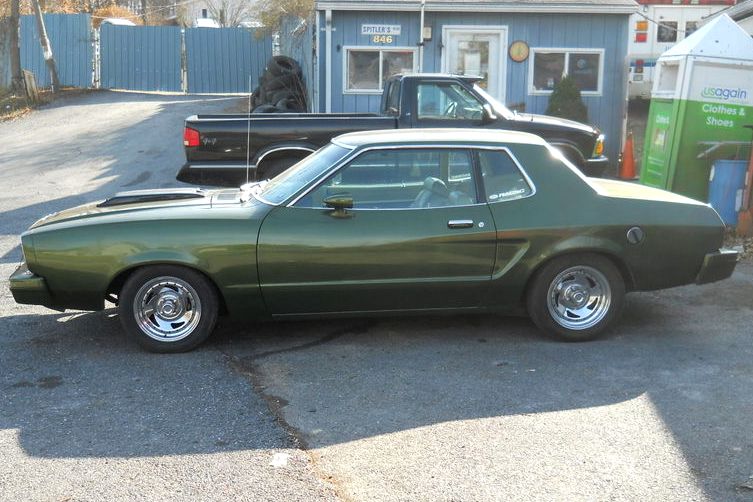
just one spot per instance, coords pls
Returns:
(666, 32)
(366, 69)
(690, 27)
(548, 66)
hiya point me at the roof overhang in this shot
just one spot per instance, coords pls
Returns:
(519, 7)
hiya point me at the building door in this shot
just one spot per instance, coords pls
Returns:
(477, 50)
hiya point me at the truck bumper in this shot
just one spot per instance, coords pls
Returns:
(596, 166)
(225, 174)
(29, 288)
(717, 266)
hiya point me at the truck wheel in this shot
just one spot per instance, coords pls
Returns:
(167, 308)
(271, 168)
(576, 297)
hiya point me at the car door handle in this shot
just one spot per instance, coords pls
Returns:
(460, 223)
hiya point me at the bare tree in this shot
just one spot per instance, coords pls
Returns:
(46, 47)
(229, 12)
(15, 51)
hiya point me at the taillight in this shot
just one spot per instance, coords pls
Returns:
(190, 137)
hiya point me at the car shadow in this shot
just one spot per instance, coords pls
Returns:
(74, 386)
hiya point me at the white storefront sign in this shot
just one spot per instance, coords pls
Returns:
(380, 29)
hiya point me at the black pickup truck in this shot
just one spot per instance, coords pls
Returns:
(220, 147)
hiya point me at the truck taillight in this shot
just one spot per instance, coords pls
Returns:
(190, 137)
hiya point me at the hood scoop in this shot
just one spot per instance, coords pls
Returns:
(141, 196)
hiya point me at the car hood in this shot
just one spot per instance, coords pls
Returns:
(625, 190)
(553, 122)
(141, 200)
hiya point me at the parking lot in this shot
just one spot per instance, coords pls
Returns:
(436, 408)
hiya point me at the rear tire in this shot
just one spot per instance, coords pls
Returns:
(168, 308)
(576, 298)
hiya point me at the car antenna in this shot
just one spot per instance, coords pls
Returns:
(248, 131)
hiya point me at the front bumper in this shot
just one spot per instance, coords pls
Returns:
(596, 166)
(717, 266)
(29, 288)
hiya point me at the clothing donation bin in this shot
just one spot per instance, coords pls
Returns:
(702, 94)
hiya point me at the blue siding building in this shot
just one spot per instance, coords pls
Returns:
(522, 48)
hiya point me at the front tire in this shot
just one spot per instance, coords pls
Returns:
(576, 297)
(168, 308)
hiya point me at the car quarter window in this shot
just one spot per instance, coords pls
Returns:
(404, 178)
(502, 178)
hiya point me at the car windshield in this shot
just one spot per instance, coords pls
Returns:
(282, 187)
(498, 107)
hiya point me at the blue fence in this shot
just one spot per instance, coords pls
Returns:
(140, 58)
(222, 60)
(71, 40)
(143, 58)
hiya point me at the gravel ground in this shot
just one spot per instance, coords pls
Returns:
(436, 409)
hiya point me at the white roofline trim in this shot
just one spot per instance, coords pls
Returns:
(483, 7)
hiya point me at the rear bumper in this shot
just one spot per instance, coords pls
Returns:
(29, 288)
(717, 266)
(226, 174)
(596, 166)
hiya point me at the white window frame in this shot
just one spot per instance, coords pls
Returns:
(567, 51)
(373, 48)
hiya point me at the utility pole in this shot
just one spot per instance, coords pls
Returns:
(46, 48)
(15, 52)
(143, 11)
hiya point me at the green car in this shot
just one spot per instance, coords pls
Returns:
(420, 221)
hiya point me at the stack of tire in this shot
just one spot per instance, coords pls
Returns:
(281, 88)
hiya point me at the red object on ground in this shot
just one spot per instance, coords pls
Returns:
(627, 166)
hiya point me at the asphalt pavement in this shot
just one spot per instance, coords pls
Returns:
(433, 408)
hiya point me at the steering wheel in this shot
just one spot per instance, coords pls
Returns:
(451, 110)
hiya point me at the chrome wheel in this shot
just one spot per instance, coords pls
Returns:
(167, 309)
(579, 297)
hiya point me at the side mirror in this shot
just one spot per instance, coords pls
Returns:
(488, 115)
(339, 202)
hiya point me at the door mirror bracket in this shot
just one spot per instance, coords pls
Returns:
(340, 203)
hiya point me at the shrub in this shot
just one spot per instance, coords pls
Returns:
(565, 101)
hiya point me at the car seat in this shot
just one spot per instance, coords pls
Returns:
(434, 193)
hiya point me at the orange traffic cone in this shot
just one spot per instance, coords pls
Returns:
(627, 166)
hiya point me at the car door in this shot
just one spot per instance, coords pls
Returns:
(417, 237)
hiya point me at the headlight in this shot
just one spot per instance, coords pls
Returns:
(599, 147)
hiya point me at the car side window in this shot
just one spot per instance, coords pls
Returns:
(447, 101)
(503, 180)
(398, 179)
